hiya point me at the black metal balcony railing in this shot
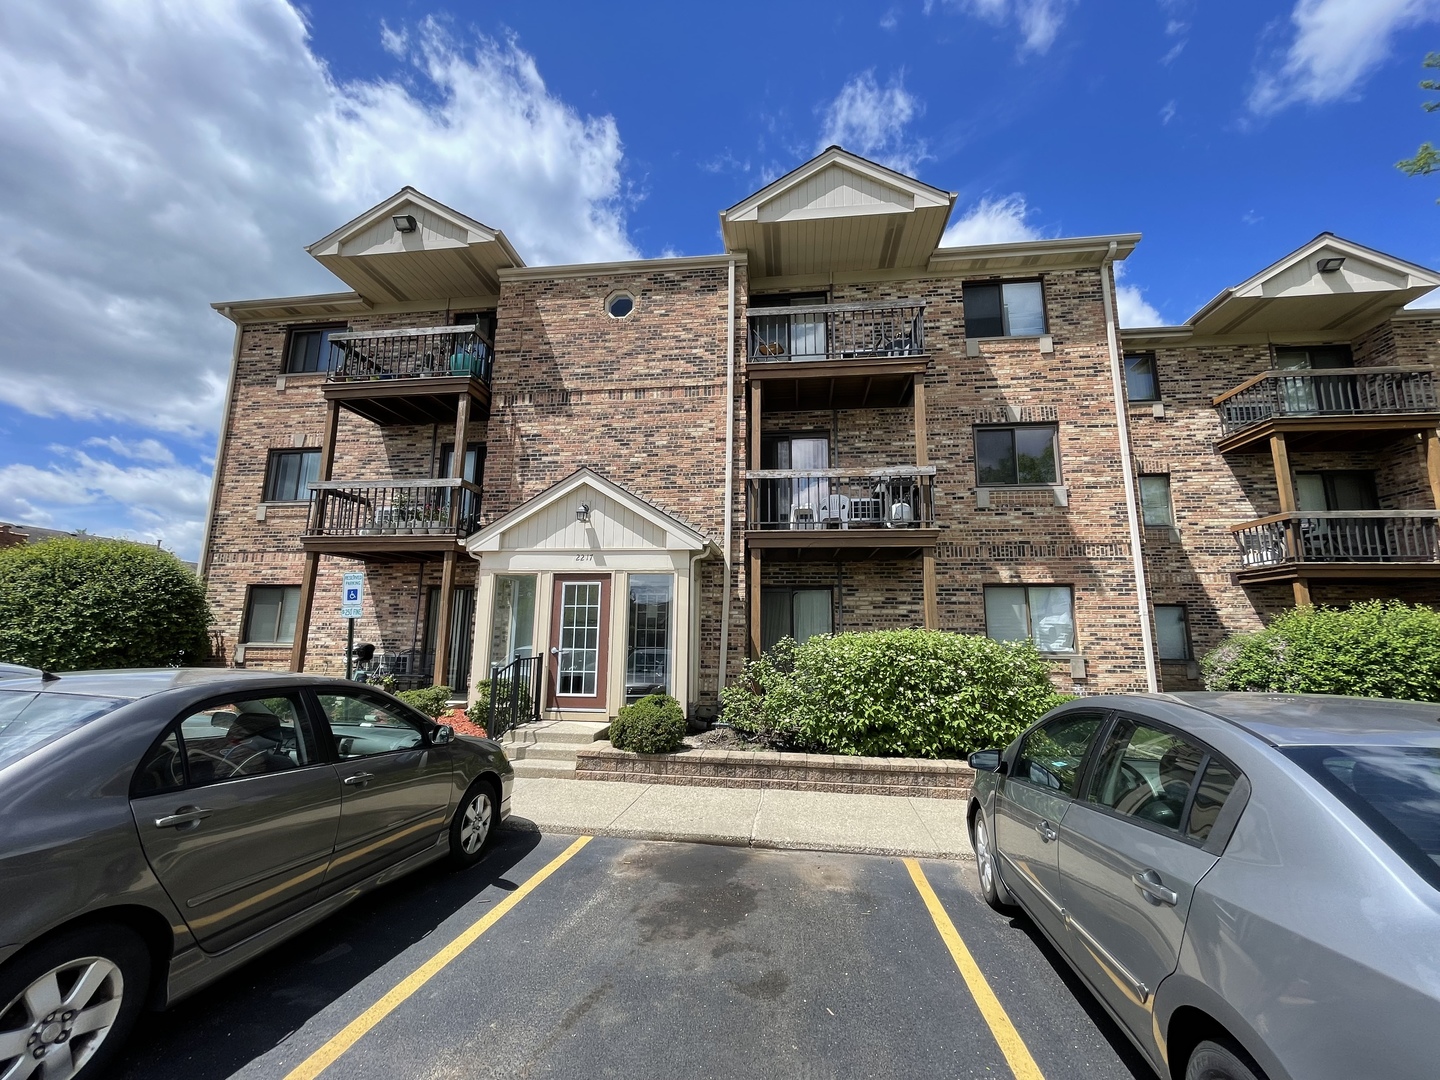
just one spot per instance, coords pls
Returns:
(1358, 536)
(1368, 391)
(840, 331)
(415, 352)
(898, 498)
(393, 508)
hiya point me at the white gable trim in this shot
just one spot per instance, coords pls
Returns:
(475, 232)
(679, 536)
(923, 194)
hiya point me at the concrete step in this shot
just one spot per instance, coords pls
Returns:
(555, 770)
(572, 732)
(549, 752)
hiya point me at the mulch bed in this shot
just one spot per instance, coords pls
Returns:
(462, 724)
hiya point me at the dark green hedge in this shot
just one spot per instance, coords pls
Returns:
(1373, 649)
(69, 605)
(431, 700)
(653, 725)
(891, 693)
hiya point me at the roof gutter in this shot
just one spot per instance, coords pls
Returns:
(1127, 468)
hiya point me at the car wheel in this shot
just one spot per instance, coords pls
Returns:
(985, 863)
(1221, 1061)
(67, 1006)
(473, 826)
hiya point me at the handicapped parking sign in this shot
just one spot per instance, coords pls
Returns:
(352, 592)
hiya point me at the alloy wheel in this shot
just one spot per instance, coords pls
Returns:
(57, 1023)
(984, 862)
(475, 824)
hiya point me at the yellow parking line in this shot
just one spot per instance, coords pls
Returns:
(1011, 1045)
(321, 1059)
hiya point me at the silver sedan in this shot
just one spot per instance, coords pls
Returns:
(159, 828)
(1249, 883)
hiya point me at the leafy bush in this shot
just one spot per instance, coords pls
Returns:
(653, 725)
(67, 605)
(431, 700)
(1373, 649)
(906, 693)
(479, 712)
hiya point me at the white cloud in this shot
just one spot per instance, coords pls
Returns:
(992, 221)
(1336, 44)
(870, 120)
(141, 450)
(157, 157)
(1039, 20)
(1133, 308)
(1168, 112)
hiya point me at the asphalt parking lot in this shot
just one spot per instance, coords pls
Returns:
(645, 959)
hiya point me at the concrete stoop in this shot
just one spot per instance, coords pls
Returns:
(548, 748)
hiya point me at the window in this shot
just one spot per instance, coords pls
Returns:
(1293, 357)
(620, 304)
(1336, 489)
(512, 621)
(1215, 787)
(364, 726)
(1004, 309)
(1043, 613)
(309, 349)
(794, 502)
(31, 720)
(1140, 381)
(1172, 632)
(1010, 456)
(647, 636)
(1146, 773)
(228, 740)
(1051, 756)
(290, 474)
(794, 613)
(474, 461)
(1155, 499)
(801, 335)
(270, 614)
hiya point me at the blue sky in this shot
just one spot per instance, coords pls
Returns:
(157, 156)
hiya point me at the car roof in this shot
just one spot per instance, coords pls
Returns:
(1310, 719)
(131, 684)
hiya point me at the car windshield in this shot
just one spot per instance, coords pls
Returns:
(1393, 789)
(29, 720)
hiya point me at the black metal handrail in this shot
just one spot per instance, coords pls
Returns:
(1360, 536)
(1363, 391)
(393, 507)
(414, 352)
(514, 694)
(894, 498)
(841, 331)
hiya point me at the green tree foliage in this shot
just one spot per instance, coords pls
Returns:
(69, 605)
(1427, 158)
(431, 700)
(1374, 649)
(653, 725)
(891, 693)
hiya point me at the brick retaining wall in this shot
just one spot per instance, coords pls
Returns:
(769, 769)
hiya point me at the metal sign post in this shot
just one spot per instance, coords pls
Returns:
(351, 606)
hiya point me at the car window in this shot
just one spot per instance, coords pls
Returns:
(1146, 773)
(364, 725)
(1051, 756)
(1216, 785)
(227, 740)
(30, 720)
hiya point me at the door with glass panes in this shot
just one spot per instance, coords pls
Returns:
(579, 641)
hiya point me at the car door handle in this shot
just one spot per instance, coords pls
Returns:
(1047, 831)
(1149, 883)
(184, 817)
(360, 779)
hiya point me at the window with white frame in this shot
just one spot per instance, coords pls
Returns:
(1045, 614)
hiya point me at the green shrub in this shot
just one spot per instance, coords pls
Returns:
(431, 700)
(1373, 649)
(479, 712)
(653, 725)
(67, 605)
(884, 693)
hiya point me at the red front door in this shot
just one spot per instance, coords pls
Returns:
(579, 641)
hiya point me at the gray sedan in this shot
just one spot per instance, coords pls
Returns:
(1249, 883)
(159, 828)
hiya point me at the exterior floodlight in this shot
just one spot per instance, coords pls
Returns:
(404, 222)
(1331, 264)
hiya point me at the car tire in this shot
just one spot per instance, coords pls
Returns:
(94, 977)
(473, 828)
(1221, 1060)
(985, 865)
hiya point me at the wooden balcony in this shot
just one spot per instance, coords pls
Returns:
(1339, 544)
(411, 376)
(837, 356)
(391, 520)
(1328, 408)
(837, 514)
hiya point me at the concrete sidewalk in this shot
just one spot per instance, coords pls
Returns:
(768, 818)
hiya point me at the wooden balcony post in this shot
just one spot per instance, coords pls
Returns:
(1285, 486)
(302, 615)
(752, 585)
(757, 395)
(442, 619)
(1432, 464)
(922, 438)
(1302, 592)
(327, 442)
(932, 599)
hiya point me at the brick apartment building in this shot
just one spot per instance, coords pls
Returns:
(645, 471)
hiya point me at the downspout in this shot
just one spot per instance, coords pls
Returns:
(203, 563)
(1127, 468)
(729, 482)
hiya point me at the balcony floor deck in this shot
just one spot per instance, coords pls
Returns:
(875, 382)
(841, 545)
(1307, 433)
(384, 547)
(431, 399)
(1336, 571)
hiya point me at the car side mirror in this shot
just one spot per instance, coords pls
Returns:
(985, 761)
(442, 735)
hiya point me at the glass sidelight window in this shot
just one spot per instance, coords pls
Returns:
(512, 620)
(578, 670)
(648, 639)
